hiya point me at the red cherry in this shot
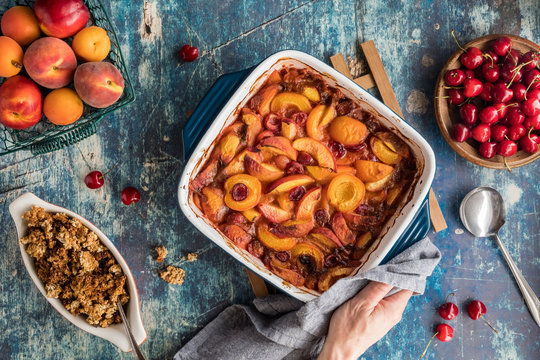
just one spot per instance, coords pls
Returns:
(337, 149)
(532, 122)
(189, 53)
(297, 193)
(94, 180)
(476, 310)
(512, 57)
(469, 74)
(516, 132)
(444, 333)
(239, 192)
(461, 133)
(487, 92)
(506, 148)
(130, 195)
(454, 77)
(469, 114)
(448, 310)
(498, 132)
(528, 144)
(531, 79)
(455, 97)
(490, 72)
(473, 87)
(515, 116)
(489, 115)
(510, 72)
(493, 56)
(501, 93)
(531, 107)
(519, 91)
(472, 58)
(532, 58)
(481, 133)
(533, 94)
(535, 138)
(502, 45)
(502, 109)
(487, 149)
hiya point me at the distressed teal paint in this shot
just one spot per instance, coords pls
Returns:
(413, 38)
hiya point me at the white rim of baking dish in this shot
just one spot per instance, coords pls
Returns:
(389, 118)
(114, 333)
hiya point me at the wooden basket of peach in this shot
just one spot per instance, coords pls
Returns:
(59, 75)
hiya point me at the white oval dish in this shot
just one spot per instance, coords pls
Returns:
(394, 227)
(114, 333)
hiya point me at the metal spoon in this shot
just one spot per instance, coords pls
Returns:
(483, 213)
(136, 351)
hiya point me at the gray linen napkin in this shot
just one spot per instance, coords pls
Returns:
(280, 327)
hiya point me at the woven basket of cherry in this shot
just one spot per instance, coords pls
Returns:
(487, 101)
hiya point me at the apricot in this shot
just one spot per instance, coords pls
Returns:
(288, 275)
(228, 145)
(318, 120)
(11, 57)
(317, 150)
(363, 240)
(253, 196)
(287, 101)
(371, 171)
(274, 78)
(289, 130)
(326, 237)
(91, 44)
(383, 152)
(236, 166)
(311, 93)
(288, 183)
(285, 203)
(254, 126)
(237, 235)
(278, 145)
(262, 171)
(306, 250)
(20, 24)
(379, 184)
(330, 277)
(307, 203)
(393, 194)
(63, 106)
(341, 229)
(267, 94)
(393, 142)
(251, 215)
(321, 174)
(345, 192)
(272, 241)
(347, 131)
(213, 205)
(273, 213)
(294, 228)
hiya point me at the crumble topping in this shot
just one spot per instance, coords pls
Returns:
(161, 252)
(192, 257)
(173, 275)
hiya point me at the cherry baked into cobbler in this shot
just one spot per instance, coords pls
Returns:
(304, 179)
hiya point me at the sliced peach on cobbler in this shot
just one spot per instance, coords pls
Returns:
(236, 166)
(345, 192)
(318, 119)
(290, 101)
(341, 229)
(242, 192)
(254, 126)
(383, 152)
(293, 228)
(213, 205)
(348, 131)
(288, 183)
(251, 215)
(393, 142)
(363, 240)
(330, 277)
(267, 95)
(288, 275)
(371, 171)
(278, 145)
(228, 146)
(348, 159)
(344, 169)
(285, 203)
(311, 93)
(262, 171)
(306, 254)
(317, 150)
(393, 194)
(289, 129)
(274, 78)
(308, 202)
(321, 174)
(379, 184)
(237, 235)
(359, 222)
(274, 213)
(326, 237)
(272, 241)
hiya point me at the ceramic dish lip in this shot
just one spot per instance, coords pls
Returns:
(114, 333)
(228, 109)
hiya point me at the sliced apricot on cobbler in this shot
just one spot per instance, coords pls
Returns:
(273, 213)
(242, 192)
(262, 171)
(213, 205)
(317, 150)
(341, 229)
(348, 159)
(236, 166)
(321, 174)
(272, 241)
(393, 193)
(228, 146)
(237, 235)
(278, 145)
(326, 237)
(307, 255)
(383, 152)
(371, 171)
(347, 131)
(289, 129)
(330, 277)
(363, 240)
(378, 185)
(344, 169)
(267, 94)
(289, 275)
(251, 215)
(393, 142)
(274, 78)
(318, 120)
(293, 228)
(290, 101)
(288, 183)
(285, 203)
(307, 204)
(345, 192)
(311, 93)
(254, 126)
(359, 222)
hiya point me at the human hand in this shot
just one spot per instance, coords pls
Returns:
(362, 321)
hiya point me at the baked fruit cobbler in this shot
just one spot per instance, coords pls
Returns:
(304, 179)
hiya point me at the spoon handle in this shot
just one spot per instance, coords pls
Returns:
(528, 294)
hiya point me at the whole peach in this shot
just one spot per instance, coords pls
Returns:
(20, 103)
(61, 18)
(99, 84)
(20, 24)
(50, 62)
(63, 106)
(91, 44)
(11, 57)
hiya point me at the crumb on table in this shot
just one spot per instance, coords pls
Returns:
(173, 275)
(192, 257)
(161, 252)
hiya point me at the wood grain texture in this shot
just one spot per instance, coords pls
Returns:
(413, 39)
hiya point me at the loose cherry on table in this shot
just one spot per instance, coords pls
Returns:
(444, 333)
(131, 195)
(189, 52)
(448, 310)
(95, 179)
(476, 310)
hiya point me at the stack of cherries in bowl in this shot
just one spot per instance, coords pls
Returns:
(496, 96)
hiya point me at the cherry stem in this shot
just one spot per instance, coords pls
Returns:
(457, 42)
(136, 208)
(530, 131)
(491, 57)
(488, 324)
(108, 171)
(447, 296)
(528, 87)
(442, 97)
(453, 87)
(509, 170)
(467, 100)
(189, 35)
(515, 71)
(430, 340)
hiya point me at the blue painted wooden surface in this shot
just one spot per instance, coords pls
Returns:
(414, 41)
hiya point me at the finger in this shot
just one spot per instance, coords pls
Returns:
(373, 293)
(398, 301)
